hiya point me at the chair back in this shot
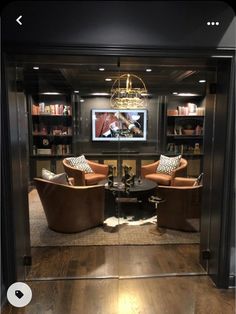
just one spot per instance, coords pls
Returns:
(71, 208)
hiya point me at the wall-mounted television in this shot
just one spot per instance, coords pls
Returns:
(119, 125)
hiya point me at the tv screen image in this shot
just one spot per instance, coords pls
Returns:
(119, 125)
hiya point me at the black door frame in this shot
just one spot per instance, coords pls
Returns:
(221, 277)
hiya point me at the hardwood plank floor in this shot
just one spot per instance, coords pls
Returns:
(173, 295)
(114, 261)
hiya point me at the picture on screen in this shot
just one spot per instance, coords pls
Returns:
(123, 125)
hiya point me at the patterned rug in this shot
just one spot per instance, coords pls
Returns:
(114, 231)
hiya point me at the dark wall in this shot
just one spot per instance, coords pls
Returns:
(120, 23)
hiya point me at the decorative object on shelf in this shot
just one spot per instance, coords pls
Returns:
(172, 112)
(197, 150)
(125, 96)
(200, 111)
(66, 111)
(198, 130)
(192, 109)
(188, 129)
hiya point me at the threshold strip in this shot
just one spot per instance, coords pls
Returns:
(117, 277)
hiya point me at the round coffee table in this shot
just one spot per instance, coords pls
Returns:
(137, 194)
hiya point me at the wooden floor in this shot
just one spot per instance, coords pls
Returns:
(169, 295)
(101, 280)
(114, 261)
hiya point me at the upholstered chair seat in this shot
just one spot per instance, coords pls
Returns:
(150, 172)
(99, 173)
(160, 178)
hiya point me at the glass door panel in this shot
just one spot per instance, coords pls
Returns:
(70, 115)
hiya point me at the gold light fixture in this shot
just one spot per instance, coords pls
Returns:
(125, 96)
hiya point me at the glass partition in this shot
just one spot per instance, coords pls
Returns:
(93, 148)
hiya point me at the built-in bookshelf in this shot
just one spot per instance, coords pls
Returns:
(184, 131)
(51, 130)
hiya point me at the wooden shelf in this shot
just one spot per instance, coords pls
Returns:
(185, 117)
(51, 156)
(176, 136)
(51, 135)
(50, 115)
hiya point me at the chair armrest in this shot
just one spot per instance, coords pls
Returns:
(148, 169)
(98, 168)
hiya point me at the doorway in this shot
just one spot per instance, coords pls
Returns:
(62, 80)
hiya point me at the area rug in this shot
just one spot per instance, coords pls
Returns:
(126, 231)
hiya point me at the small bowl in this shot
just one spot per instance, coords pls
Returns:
(188, 132)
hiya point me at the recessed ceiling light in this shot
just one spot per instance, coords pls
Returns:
(187, 94)
(108, 79)
(202, 81)
(175, 93)
(51, 93)
(81, 100)
(36, 68)
(76, 91)
(100, 94)
(101, 69)
(149, 70)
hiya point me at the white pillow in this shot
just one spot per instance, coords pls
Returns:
(80, 163)
(168, 164)
(60, 178)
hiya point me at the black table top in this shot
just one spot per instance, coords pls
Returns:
(144, 185)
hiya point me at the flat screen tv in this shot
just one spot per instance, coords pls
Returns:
(119, 125)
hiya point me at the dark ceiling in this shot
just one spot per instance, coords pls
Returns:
(65, 75)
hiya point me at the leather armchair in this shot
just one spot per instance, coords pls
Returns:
(149, 172)
(69, 208)
(182, 207)
(82, 178)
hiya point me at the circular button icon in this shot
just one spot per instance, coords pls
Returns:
(19, 294)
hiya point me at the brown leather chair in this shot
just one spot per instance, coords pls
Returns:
(149, 172)
(182, 207)
(82, 178)
(71, 208)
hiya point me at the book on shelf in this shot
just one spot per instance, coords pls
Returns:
(44, 151)
(53, 109)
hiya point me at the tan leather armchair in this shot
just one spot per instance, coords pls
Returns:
(149, 172)
(71, 209)
(82, 178)
(182, 207)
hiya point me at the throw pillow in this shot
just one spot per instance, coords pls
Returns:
(168, 164)
(199, 180)
(80, 163)
(60, 178)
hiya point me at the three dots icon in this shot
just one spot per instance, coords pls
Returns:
(213, 23)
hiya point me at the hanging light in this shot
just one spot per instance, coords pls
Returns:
(125, 96)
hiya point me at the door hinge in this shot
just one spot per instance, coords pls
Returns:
(27, 260)
(206, 254)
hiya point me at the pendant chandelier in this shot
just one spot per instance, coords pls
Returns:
(128, 92)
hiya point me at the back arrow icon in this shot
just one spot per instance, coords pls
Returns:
(18, 19)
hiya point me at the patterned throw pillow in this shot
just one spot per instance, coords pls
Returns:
(80, 163)
(60, 178)
(168, 164)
